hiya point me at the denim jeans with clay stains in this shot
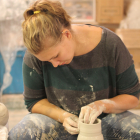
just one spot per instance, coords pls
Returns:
(123, 126)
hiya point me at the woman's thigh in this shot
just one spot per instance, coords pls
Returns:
(39, 127)
(123, 126)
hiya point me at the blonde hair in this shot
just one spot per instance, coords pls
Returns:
(47, 23)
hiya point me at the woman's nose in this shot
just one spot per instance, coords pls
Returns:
(55, 63)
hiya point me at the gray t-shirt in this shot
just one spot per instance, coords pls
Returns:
(104, 72)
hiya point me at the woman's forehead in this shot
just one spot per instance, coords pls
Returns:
(50, 42)
(47, 53)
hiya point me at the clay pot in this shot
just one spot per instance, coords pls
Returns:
(90, 131)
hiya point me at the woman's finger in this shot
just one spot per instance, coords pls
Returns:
(92, 113)
(72, 122)
(73, 133)
(94, 117)
(72, 130)
(81, 116)
(87, 114)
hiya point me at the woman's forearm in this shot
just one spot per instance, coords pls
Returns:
(46, 108)
(119, 103)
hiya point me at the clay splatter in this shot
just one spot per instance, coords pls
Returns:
(134, 120)
(31, 73)
(91, 87)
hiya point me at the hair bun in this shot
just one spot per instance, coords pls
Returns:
(30, 12)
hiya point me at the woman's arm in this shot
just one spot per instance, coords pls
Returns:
(120, 103)
(46, 108)
(116, 104)
(70, 121)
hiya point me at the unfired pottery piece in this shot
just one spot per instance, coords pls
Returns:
(4, 115)
(90, 131)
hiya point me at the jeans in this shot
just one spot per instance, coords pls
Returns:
(123, 126)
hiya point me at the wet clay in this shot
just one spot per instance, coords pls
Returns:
(90, 131)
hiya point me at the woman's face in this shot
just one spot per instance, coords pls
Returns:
(61, 53)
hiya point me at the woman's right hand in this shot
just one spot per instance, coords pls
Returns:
(71, 124)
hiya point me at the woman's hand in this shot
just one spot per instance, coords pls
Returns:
(90, 112)
(71, 124)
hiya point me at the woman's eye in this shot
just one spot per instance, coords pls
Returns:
(55, 56)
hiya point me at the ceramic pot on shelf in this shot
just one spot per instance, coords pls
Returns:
(90, 131)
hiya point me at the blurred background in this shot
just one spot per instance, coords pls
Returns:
(120, 16)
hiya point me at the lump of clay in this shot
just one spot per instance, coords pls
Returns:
(4, 115)
(3, 133)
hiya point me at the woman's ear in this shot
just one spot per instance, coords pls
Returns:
(67, 33)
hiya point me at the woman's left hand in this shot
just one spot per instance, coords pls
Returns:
(71, 124)
(90, 112)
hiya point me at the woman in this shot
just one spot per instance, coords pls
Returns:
(73, 72)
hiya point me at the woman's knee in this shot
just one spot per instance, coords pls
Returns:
(35, 126)
(123, 125)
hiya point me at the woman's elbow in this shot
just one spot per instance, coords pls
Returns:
(135, 102)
